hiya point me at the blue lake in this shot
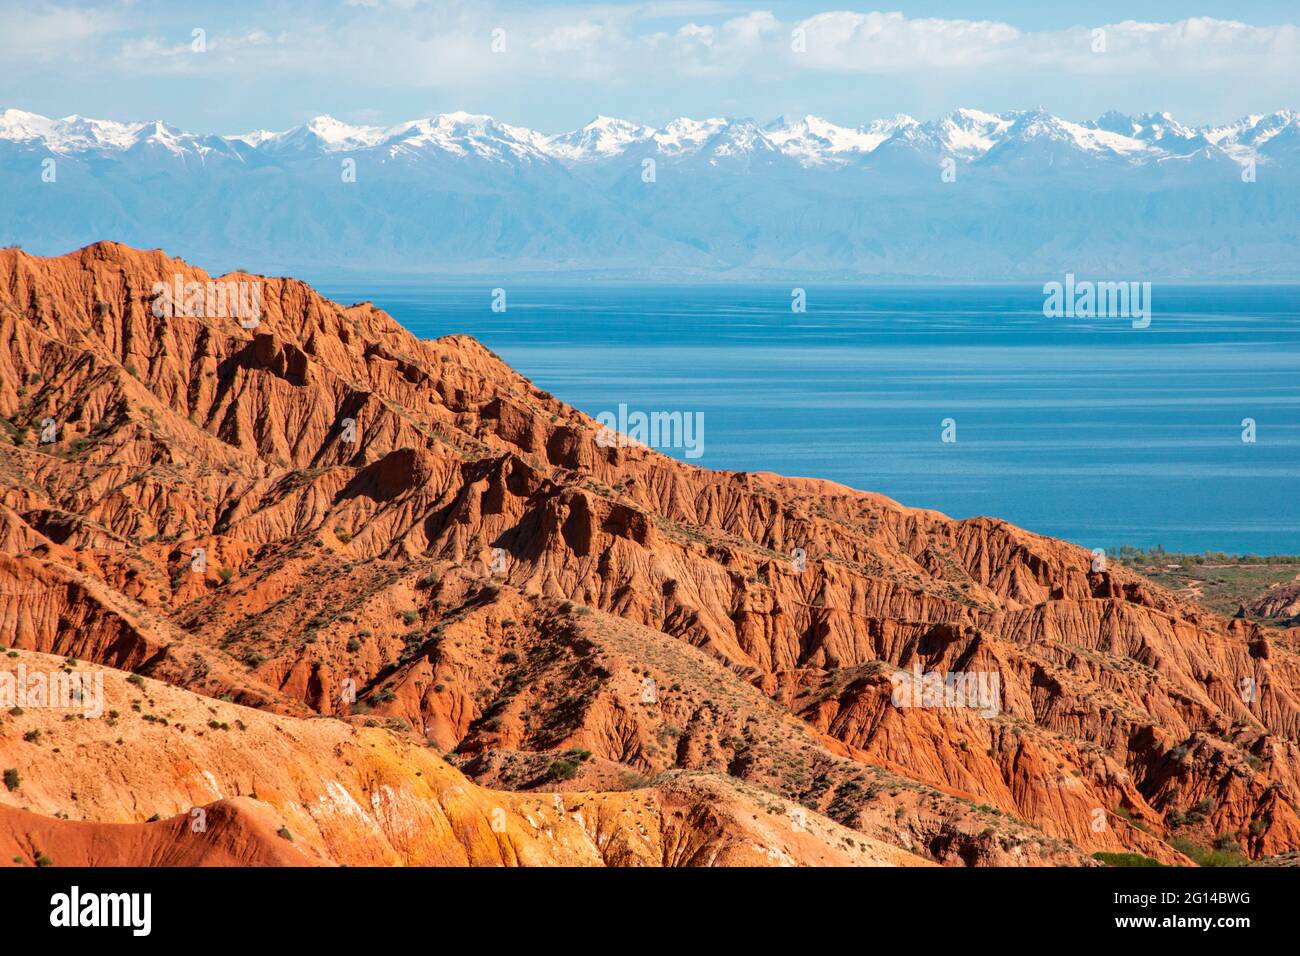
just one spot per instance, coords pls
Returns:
(1089, 430)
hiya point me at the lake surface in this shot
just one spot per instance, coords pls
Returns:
(1085, 429)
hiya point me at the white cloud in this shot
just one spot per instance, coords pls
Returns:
(424, 43)
(222, 51)
(1203, 43)
(693, 32)
(890, 42)
(50, 31)
(570, 38)
(691, 46)
(753, 27)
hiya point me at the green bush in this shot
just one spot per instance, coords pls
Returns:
(1126, 859)
(1203, 856)
(12, 780)
(563, 769)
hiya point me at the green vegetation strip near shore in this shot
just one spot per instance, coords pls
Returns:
(1224, 583)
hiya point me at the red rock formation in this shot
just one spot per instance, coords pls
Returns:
(413, 521)
(168, 778)
(1282, 601)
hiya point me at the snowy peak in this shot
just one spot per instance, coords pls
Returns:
(1283, 142)
(463, 134)
(458, 134)
(1152, 128)
(253, 139)
(1252, 129)
(335, 135)
(684, 135)
(716, 137)
(323, 134)
(69, 134)
(603, 137)
(962, 134)
(969, 133)
(1037, 133)
(74, 135)
(814, 140)
(740, 138)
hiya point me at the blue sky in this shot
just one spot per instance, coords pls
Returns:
(273, 65)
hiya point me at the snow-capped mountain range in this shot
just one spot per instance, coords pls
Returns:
(970, 195)
(965, 134)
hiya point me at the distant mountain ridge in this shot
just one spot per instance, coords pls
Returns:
(466, 193)
(963, 133)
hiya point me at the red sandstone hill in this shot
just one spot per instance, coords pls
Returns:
(411, 548)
